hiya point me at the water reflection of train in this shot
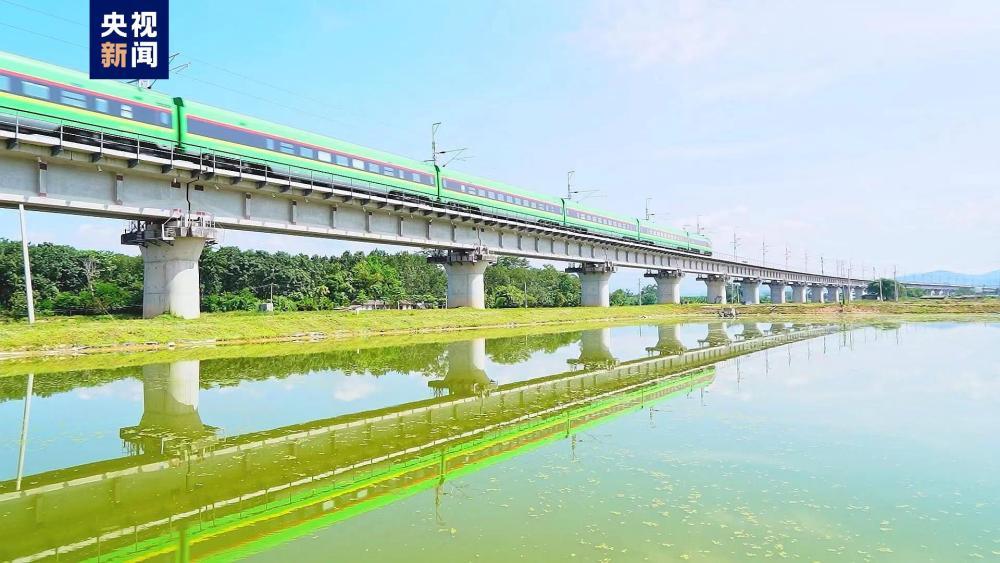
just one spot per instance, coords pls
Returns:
(179, 469)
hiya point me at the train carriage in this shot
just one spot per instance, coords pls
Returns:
(36, 96)
(286, 150)
(50, 98)
(595, 220)
(489, 195)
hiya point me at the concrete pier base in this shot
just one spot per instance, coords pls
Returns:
(833, 294)
(465, 271)
(668, 285)
(170, 279)
(594, 280)
(170, 255)
(668, 342)
(170, 420)
(799, 293)
(595, 349)
(716, 288)
(777, 292)
(466, 375)
(817, 294)
(750, 289)
(718, 335)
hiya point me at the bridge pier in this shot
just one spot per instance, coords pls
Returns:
(668, 342)
(668, 285)
(717, 334)
(594, 280)
(170, 255)
(777, 292)
(750, 289)
(750, 330)
(799, 292)
(465, 271)
(466, 375)
(595, 349)
(817, 293)
(716, 287)
(170, 415)
(833, 294)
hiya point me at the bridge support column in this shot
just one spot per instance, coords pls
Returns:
(594, 280)
(716, 287)
(668, 285)
(777, 292)
(170, 255)
(799, 293)
(170, 416)
(817, 293)
(833, 294)
(669, 341)
(750, 288)
(465, 271)
(595, 349)
(466, 375)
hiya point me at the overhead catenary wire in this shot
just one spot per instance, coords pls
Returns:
(367, 119)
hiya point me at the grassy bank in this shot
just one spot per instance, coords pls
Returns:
(90, 334)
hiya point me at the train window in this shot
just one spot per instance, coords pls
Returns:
(286, 148)
(372, 167)
(388, 171)
(164, 118)
(269, 143)
(126, 111)
(101, 105)
(323, 155)
(305, 152)
(342, 160)
(4, 83)
(35, 90)
(358, 163)
(417, 177)
(74, 99)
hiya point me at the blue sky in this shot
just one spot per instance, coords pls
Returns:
(860, 131)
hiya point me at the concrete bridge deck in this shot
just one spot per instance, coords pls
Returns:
(184, 202)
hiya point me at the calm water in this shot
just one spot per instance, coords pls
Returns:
(701, 442)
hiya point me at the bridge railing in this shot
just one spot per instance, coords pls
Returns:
(209, 160)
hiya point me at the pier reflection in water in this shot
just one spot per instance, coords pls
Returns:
(463, 407)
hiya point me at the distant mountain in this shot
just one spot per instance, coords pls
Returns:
(989, 279)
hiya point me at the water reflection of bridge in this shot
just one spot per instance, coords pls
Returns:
(187, 473)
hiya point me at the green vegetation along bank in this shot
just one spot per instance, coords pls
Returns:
(62, 335)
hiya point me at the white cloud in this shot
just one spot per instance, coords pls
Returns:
(650, 32)
(352, 388)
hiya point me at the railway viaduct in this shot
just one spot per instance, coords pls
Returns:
(177, 205)
(201, 473)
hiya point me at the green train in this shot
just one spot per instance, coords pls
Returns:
(50, 98)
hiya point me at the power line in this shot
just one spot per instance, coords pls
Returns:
(325, 104)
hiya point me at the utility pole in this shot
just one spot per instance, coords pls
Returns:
(763, 251)
(881, 297)
(28, 290)
(570, 176)
(895, 283)
(821, 272)
(648, 214)
(806, 264)
(736, 242)
(787, 256)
